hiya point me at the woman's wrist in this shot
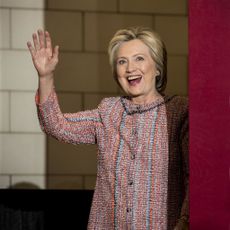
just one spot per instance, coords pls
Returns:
(46, 81)
(46, 85)
(46, 77)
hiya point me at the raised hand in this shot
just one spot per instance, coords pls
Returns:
(45, 60)
(44, 57)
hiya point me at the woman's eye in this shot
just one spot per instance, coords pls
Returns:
(139, 58)
(121, 62)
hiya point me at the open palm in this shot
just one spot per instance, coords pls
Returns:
(44, 57)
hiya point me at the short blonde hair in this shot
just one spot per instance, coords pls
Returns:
(156, 48)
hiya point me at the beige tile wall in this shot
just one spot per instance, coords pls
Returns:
(5, 181)
(77, 159)
(22, 144)
(174, 31)
(154, 6)
(82, 29)
(22, 153)
(5, 109)
(17, 72)
(67, 28)
(23, 4)
(23, 23)
(84, 5)
(4, 28)
(99, 27)
(84, 72)
(65, 182)
(23, 114)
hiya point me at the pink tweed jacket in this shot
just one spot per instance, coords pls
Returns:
(142, 178)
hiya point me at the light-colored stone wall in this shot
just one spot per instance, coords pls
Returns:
(82, 29)
(22, 144)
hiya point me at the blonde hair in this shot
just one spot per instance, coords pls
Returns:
(156, 48)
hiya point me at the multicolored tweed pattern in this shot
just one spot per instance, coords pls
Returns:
(132, 178)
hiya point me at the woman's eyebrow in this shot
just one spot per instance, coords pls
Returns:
(132, 55)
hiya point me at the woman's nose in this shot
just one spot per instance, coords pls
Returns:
(130, 67)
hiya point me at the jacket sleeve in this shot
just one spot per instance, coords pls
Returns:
(184, 137)
(74, 128)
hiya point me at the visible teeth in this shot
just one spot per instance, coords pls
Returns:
(133, 77)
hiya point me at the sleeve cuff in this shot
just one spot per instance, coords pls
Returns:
(37, 98)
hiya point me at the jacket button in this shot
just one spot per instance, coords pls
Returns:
(130, 182)
(132, 156)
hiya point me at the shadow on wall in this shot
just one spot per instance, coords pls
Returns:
(24, 185)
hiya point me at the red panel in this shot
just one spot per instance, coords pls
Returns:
(209, 93)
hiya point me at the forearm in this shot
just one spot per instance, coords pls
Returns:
(72, 128)
(45, 87)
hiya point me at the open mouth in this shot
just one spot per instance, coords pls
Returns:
(134, 80)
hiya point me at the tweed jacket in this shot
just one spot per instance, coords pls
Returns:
(142, 173)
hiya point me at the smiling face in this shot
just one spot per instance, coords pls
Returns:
(136, 71)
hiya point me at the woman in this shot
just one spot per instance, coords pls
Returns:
(142, 178)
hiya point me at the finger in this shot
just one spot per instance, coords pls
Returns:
(48, 40)
(31, 49)
(35, 40)
(41, 38)
(56, 53)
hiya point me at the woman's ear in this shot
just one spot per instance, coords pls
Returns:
(157, 73)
